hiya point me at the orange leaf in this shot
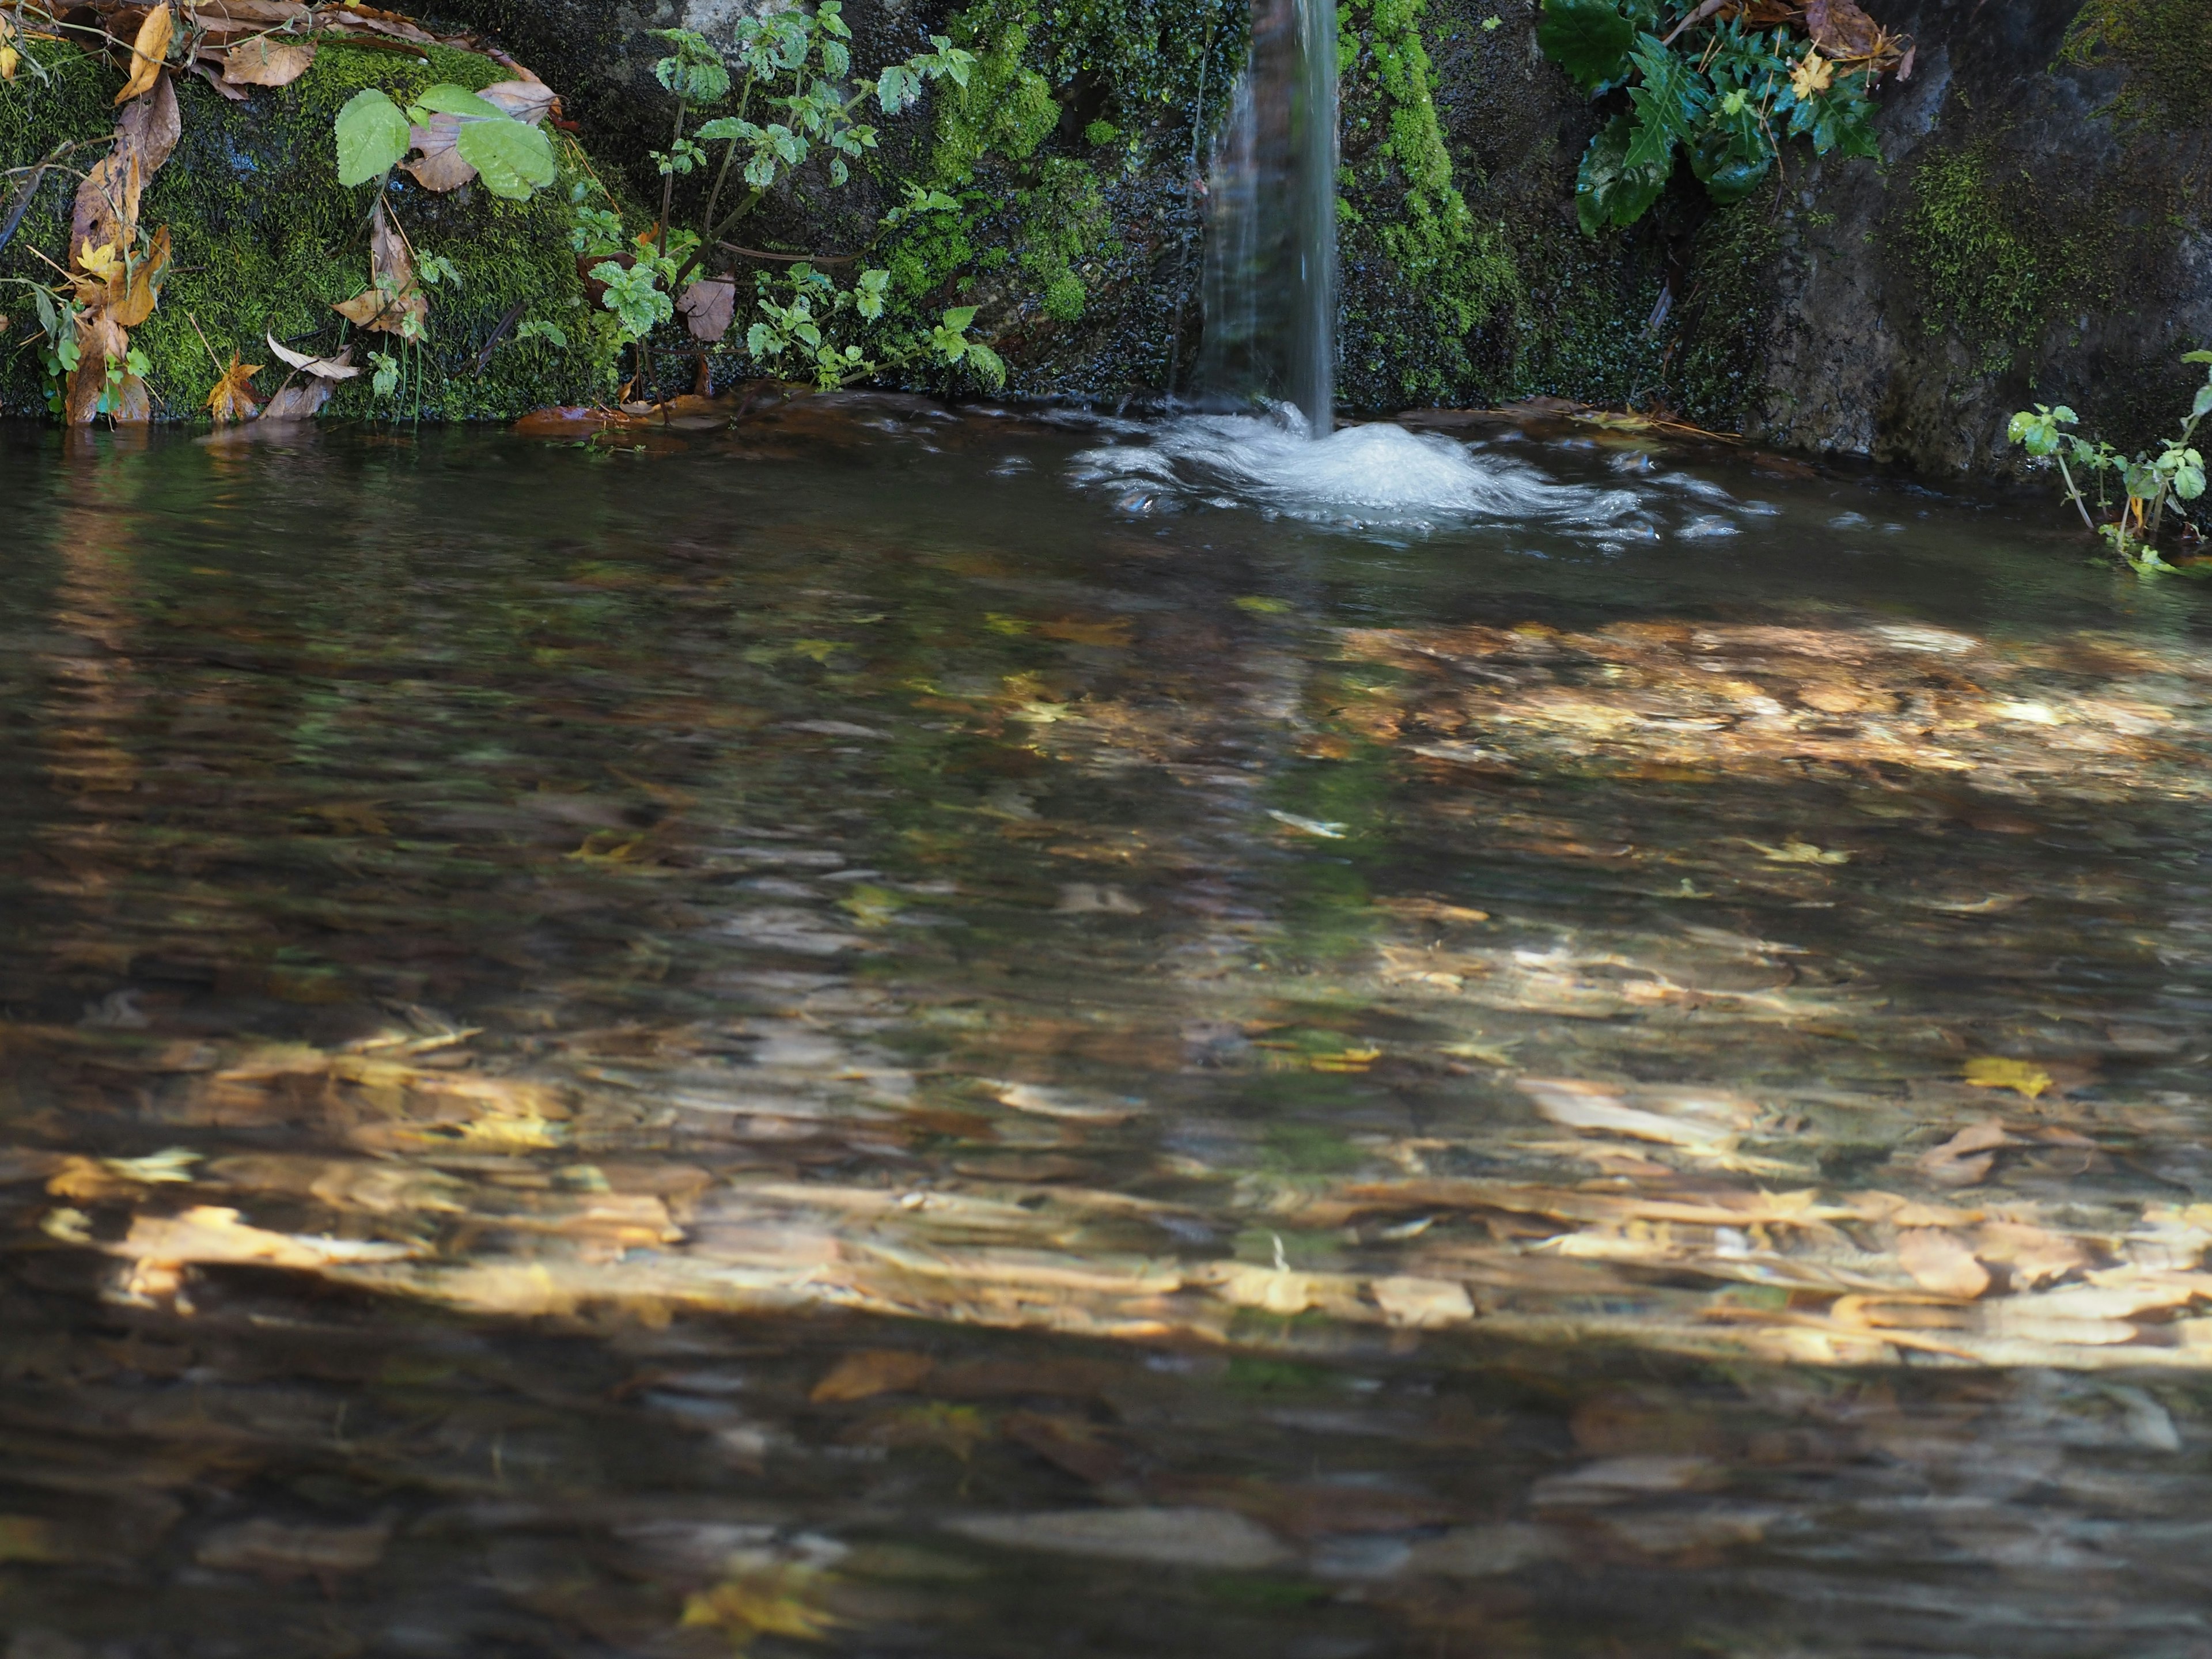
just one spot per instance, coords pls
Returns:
(149, 51)
(232, 397)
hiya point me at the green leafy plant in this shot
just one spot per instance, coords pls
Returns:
(1724, 96)
(513, 158)
(2170, 474)
(801, 312)
(788, 72)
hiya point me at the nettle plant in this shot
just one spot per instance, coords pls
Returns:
(2168, 474)
(789, 71)
(1725, 95)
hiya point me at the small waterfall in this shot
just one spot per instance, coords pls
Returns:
(1270, 290)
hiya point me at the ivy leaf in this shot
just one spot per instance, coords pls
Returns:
(1589, 39)
(372, 135)
(513, 159)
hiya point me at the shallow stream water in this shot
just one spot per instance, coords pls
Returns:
(898, 1032)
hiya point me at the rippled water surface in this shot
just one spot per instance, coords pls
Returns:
(892, 1033)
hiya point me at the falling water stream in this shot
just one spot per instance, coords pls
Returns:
(1271, 256)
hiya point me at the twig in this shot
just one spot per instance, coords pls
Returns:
(1705, 10)
(204, 346)
(790, 258)
(498, 333)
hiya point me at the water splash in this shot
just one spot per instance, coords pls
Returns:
(1370, 477)
(1270, 288)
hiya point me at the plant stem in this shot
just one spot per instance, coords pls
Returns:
(2074, 495)
(668, 181)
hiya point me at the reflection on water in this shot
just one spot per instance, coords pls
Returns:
(818, 1039)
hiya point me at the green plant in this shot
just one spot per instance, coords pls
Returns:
(800, 314)
(1725, 97)
(2168, 474)
(513, 158)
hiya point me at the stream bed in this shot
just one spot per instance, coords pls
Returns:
(899, 1031)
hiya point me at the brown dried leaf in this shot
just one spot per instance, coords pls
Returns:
(441, 166)
(262, 62)
(99, 339)
(106, 207)
(301, 401)
(1964, 1160)
(527, 101)
(709, 305)
(232, 397)
(874, 1370)
(1941, 1262)
(1074, 1443)
(280, 1554)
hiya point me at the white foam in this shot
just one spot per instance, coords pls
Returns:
(1377, 476)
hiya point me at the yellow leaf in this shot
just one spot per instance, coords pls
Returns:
(27, 1538)
(105, 262)
(1796, 852)
(149, 51)
(1993, 1072)
(9, 57)
(771, 1600)
(1813, 75)
(873, 1371)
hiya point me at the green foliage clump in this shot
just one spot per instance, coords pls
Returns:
(2166, 43)
(1726, 100)
(2169, 474)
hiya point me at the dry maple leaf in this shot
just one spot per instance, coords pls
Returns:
(232, 397)
(106, 206)
(1812, 75)
(149, 51)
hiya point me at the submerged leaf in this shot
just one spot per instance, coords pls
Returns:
(1994, 1071)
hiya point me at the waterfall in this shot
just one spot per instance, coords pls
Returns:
(1270, 286)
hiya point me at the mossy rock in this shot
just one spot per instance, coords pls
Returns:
(266, 240)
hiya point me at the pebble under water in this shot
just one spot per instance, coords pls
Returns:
(893, 1031)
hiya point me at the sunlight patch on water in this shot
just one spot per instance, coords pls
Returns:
(1361, 477)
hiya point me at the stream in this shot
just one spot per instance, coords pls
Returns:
(891, 1030)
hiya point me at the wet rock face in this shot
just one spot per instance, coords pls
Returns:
(2037, 232)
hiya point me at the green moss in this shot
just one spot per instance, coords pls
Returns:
(1990, 258)
(266, 240)
(1007, 109)
(1727, 303)
(2167, 44)
(1402, 199)
(1065, 222)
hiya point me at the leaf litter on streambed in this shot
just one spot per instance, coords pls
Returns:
(620, 1041)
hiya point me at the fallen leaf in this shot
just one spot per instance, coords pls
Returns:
(1220, 1539)
(1942, 1262)
(933, 1425)
(873, 1371)
(140, 289)
(1796, 852)
(101, 340)
(392, 304)
(527, 101)
(441, 166)
(709, 305)
(1991, 1072)
(1422, 1303)
(774, 1600)
(1965, 1159)
(2035, 1256)
(1074, 1444)
(264, 61)
(299, 402)
(106, 210)
(149, 51)
(340, 368)
(27, 1538)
